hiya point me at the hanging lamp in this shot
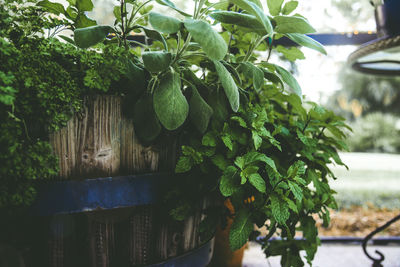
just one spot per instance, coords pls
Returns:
(382, 55)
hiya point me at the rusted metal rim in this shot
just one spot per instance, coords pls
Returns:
(66, 197)
(199, 257)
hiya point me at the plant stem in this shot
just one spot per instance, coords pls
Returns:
(122, 23)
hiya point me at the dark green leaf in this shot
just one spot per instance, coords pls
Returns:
(199, 111)
(280, 209)
(220, 162)
(67, 39)
(145, 122)
(86, 37)
(155, 35)
(241, 229)
(55, 8)
(254, 73)
(156, 61)
(258, 182)
(274, 6)
(229, 85)
(289, 7)
(164, 24)
(255, 10)
(84, 5)
(257, 140)
(137, 76)
(172, 5)
(288, 78)
(306, 41)
(229, 181)
(169, 103)
(210, 41)
(184, 164)
(82, 21)
(239, 19)
(272, 77)
(292, 24)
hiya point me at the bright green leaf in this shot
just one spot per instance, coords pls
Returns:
(257, 140)
(274, 6)
(241, 228)
(169, 103)
(292, 24)
(258, 182)
(84, 5)
(289, 7)
(280, 209)
(156, 61)
(199, 111)
(296, 190)
(292, 53)
(82, 21)
(210, 41)
(55, 8)
(306, 41)
(229, 85)
(86, 37)
(164, 24)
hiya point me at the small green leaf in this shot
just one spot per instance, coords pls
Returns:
(289, 7)
(209, 140)
(210, 41)
(229, 85)
(55, 8)
(296, 190)
(257, 140)
(184, 164)
(272, 77)
(220, 162)
(239, 19)
(274, 6)
(199, 111)
(155, 35)
(86, 37)
(258, 182)
(156, 61)
(239, 161)
(170, 104)
(280, 209)
(254, 73)
(117, 13)
(146, 124)
(172, 5)
(306, 41)
(229, 181)
(241, 229)
(255, 10)
(227, 141)
(164, 24)
(82, 21)
(292, 24)
(288, 78)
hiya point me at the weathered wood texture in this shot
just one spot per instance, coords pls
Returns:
(99, 142)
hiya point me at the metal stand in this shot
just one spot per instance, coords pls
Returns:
(377, 262)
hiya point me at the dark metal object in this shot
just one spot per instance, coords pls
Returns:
(199, 257)
(377, 261)
(64, 197)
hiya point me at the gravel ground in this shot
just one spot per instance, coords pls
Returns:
(328, 256)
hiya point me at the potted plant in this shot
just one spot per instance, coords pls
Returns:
(243, 137)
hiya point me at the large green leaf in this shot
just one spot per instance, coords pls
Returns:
(258, 182)
(306, 41)
(292, 24)
(253, 72)
(210, 41)
(86, 37)
(155, 35)
(136, 76)
(296, 190)
(55, 8)
(239, 19)
(255, 10)
(274, 6)
(229, 85)
(169, 103)
(146, 124)
(84, 5)
(172, 5)
(289, 7)
(229, 181)
(156, 61)
(82, 21)
(164, 24)
(280, 209)
(288, 78)
(241, 229)
(199, 111)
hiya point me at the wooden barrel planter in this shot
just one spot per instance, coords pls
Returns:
(117, 219)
